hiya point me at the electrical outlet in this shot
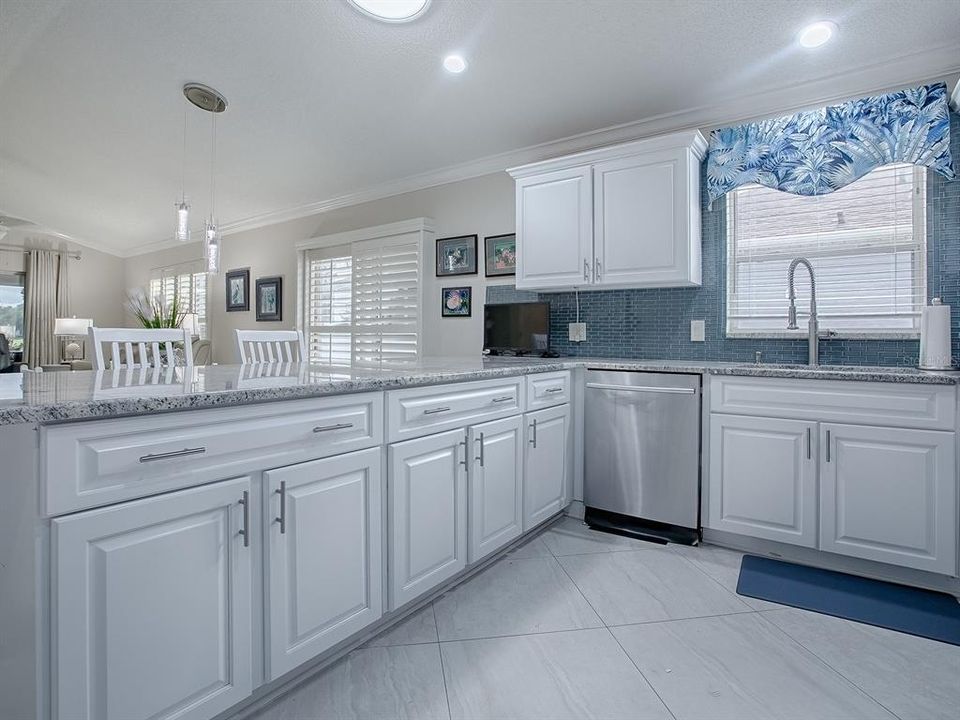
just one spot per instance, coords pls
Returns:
(697, 331)
(577, 331)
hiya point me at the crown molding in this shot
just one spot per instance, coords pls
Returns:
(938, 64)
(402, 227)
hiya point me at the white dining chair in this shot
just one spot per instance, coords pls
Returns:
(141, 347)
(264, 346)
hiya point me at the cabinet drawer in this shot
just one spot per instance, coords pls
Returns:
(422, 411)
(548, 389)
(97, 463)
(904, 405)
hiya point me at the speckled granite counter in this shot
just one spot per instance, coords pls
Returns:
(63, 396)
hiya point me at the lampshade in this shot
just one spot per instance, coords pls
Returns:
(71, 326)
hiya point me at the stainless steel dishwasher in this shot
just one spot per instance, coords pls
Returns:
(642, 454)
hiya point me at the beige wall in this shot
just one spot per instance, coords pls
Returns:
(481, 206)
(96, 280)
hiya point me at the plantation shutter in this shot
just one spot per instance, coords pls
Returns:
(362, 302)
(866, 242)
(190, 289)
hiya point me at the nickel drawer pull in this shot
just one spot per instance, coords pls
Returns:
(245, 530)
(153, 457)
(282, 492)
(434, 411)
(554, 390)
(505, 398)
(533, 440)
(327, 428)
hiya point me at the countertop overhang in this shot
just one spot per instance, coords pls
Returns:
(55, 397)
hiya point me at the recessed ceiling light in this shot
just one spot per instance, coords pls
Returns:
(394, 11)
(454, 64)
(816, 34)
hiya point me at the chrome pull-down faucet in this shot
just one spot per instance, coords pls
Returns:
(813, 355)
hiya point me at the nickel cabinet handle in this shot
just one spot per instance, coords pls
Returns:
(327, 428)
(554, 390)
(586, 270)
(464, 461)
(809, 450)
(434, 411)
(282, 519)
(503, 399)
(598, 268)
(245, 530)
(480, 456)
(533, 440)
(828, 446)
(153, 457)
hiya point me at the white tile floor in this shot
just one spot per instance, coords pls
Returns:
(579, 624)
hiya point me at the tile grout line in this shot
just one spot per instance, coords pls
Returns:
(700, 570)
(443, 672)
(622, 649)
(828, 665)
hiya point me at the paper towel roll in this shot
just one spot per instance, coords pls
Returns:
(935, 351)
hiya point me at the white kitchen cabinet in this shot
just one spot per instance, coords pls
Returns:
(554, 219)
(763, 478)
(427, 490)
(621, 216)
(152, 606)
(324, 558)
(495, 485)
(647, 220)
(889, 494)
(547, 461)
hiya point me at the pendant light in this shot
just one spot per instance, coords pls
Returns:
(206, 98)
(181, 229)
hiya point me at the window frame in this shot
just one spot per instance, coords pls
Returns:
(919, 218)
(11, 279)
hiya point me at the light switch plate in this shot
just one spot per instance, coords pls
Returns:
(577, 331)
(697, 331)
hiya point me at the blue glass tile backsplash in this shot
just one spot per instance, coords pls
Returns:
(655, 323)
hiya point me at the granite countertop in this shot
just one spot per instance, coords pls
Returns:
(64, 396)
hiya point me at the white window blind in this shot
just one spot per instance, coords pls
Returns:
(362, 302)
(866, 242)
(190, 289)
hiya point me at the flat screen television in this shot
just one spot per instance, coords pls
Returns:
(519, 328)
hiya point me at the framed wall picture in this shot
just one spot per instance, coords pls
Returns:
(456, 302)
(269, 298)
(238, 290)
(457, 256)
(500, 252)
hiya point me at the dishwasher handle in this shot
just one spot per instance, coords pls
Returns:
(643, 388)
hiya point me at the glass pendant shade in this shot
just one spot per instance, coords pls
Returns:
(211, 246)
(182, 229)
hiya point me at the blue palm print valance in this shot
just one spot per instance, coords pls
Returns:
(817, 152)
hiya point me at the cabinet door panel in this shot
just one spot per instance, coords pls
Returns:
(152, 601)
(555, 229)
(763, 478)
(324, 561)
(642, 233)
(889, 494)
(496, 488)
(428, 514)
(547, 461)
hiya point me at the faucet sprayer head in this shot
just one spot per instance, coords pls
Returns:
(792, 317)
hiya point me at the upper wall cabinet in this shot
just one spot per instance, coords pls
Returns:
(623, 216)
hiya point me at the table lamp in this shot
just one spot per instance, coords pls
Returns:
(71, 327)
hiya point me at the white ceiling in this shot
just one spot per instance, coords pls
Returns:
(325, 102)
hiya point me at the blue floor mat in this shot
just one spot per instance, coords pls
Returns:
(874, 602)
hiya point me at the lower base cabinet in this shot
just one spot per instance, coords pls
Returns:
(495, 485)
(889, 494)
(763, 478)
(324, 555)
(427, 513)
(547, 460)
(152, 606)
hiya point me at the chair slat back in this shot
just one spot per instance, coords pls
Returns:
(140, 347)
(268, 346)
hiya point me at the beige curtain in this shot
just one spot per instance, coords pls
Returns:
(47, 298)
